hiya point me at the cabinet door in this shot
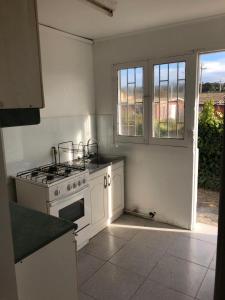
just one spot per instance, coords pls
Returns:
(116, 203)
(39, 276)
(20, 69)
(99, 203)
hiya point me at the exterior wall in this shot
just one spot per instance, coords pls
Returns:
(158, 178)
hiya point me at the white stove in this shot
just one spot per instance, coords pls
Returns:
(58, 189)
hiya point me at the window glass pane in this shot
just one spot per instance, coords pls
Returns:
(156, 83)
(172, 119)
(139, 77)
(163, 130)
(123, 86)
(169, 97)
(139, 119)
(122, 120)
(172, 90)
(163, 91)
(156, 119)
(130, 114)
(131, 120)
(139, 97)
(181, 67)
(181, 111)
(181, 89)
(131, 96)
(163, 111)
(131, 73)
(163, 72)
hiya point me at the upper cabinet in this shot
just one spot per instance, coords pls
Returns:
(20, 67)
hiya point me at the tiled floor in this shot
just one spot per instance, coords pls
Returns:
(140, 259)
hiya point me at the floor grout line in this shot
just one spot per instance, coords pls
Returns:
(171, 288)
(187, 260)
(201, 284)
(106, 232)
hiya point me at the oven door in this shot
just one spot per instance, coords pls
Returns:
(75, 208)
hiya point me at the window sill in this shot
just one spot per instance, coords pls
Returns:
(130, 139)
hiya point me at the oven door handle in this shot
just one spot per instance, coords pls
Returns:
(105, 182)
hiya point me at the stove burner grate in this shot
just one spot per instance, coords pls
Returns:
(50, 173)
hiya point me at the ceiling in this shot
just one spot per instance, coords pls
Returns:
(76, 17)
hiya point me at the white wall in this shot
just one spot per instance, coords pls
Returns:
(67, 68)
(158, 178)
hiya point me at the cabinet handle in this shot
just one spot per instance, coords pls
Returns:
(105, 182)
(109, 180)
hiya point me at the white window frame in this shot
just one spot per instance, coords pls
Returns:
(189, 108)
(132, 139)
(189, 104)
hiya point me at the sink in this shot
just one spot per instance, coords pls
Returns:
(102, 160)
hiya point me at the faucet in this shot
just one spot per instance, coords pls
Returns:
(94, 142)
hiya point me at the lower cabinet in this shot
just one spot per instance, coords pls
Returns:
(107, 196)
(50, 272)
(116, 192)
(99, 202)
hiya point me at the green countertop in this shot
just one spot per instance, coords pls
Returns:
(31, 230)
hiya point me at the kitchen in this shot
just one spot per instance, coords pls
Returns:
(77, 80)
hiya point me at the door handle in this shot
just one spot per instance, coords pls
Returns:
(105, 182)
(109, 180)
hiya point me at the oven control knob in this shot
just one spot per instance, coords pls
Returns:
(84, 180)
(74, 185)
(68, 187)
(56, 193)
(79, 183)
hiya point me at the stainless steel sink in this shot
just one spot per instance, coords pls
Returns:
(102, 160)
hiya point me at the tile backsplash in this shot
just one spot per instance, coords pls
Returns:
(29, 146)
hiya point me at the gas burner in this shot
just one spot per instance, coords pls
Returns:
(49, 177)
(34, 173)
(52, 169)
(67, 171)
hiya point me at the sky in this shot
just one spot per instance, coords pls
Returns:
(215, 67)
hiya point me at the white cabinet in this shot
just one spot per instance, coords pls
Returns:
(99, 201)
(107, 196)
(116, 192)
(20, 68)
(49, 273)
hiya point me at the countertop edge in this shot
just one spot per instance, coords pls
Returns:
(102, 166)
(20, 259)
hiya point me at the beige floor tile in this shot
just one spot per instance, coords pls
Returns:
(152, 238)
(213, 263)
(83, 296)
(203, 232)
(206, 291)
(132, 221)
(122, 232)
(178, 274)
(151, 290)
(137, 258)
(87, 266)
(104, 246)
(194, 250)
(112, 283)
